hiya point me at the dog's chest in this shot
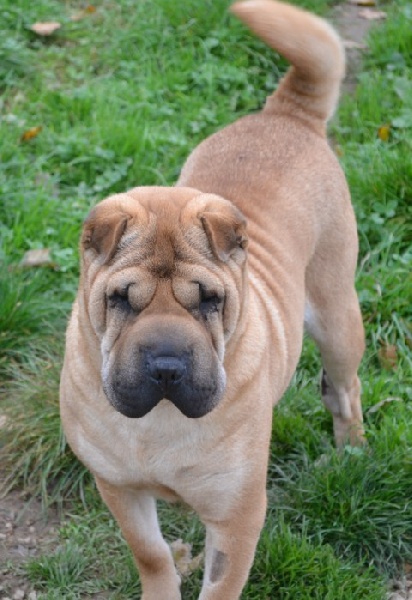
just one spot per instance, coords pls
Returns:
(170, 458)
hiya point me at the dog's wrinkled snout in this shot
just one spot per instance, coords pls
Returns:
(161, 362)
(166, 371)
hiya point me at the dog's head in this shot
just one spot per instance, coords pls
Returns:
(163, 273)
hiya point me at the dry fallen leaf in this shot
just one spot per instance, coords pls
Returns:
(37, 258)
(388, 357)
(30, 134)
(384, 132)
(363, 2)
(182, 555)
(89, 10)
(378, 405)
(352, 44)
(45, 28)
(372, 15)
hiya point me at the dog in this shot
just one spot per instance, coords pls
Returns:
(191, 309)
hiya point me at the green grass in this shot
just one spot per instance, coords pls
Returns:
(36, 450)
(122, 96)
(92, 557)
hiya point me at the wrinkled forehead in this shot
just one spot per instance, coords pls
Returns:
(159, 228)
(167, 237)
(164, 249)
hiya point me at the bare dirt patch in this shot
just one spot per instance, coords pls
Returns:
(353, 29)
(26, 530)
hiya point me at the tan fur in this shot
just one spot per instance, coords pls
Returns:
(152, 260)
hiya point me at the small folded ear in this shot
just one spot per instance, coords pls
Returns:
(103, 230)
(225, 228)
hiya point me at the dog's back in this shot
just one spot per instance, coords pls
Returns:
(300, 107)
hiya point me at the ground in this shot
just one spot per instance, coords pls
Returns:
(25, 531)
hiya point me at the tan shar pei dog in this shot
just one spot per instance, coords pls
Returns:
(190, 314)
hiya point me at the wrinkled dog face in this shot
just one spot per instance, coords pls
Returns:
(163, 272)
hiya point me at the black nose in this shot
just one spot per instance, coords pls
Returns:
(166, 371)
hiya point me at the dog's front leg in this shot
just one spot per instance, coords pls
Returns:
(135, 511)
(230, 549)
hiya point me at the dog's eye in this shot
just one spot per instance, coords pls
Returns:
(209, 302)
(119, 300)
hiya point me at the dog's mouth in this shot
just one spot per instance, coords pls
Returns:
(137, 402)
(172, 378)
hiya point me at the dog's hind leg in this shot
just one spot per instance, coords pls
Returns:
(135, 512)
(333, 319)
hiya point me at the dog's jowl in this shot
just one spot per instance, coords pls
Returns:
(192, 303)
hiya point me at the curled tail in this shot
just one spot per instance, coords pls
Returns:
(310, 88)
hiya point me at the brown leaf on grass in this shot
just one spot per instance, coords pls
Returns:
(182, 555)
(45, 28)
(89, 10)
(372, 15)
(37, 258)
(388, 357)
(30, 133)
(378, 405)
(363, 2)
(384, 132)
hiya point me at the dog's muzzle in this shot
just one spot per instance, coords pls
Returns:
(135, 386)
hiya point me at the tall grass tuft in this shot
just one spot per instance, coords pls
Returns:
(34, 451)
